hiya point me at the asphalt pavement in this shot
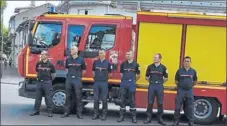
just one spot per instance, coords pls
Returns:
(10, 76)
(15, 110)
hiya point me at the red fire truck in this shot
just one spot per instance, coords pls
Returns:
(174, 35)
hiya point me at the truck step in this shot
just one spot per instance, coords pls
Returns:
(86, 100)
(88, 89)
(89, 100)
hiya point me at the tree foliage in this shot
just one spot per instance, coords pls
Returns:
(3, 4)
(6, 42)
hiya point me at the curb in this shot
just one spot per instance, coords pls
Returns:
(9, 83)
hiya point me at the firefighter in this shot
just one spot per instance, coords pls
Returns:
(130, 73)
(185, 78)
(101, 71)
(45, 74)
(76, 68)
(157, 75)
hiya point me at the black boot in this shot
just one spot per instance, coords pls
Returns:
(160, 113)
(50, 114)
(175, 123)
(149, 118)
(103, 116)
(133, 111)
(149, 114)
(160, 120)
(104, 110)
(95, 116)
(65, 115)
(121, 115)
(96, 111)
(34, 113)
(79, 115)
(190, 123)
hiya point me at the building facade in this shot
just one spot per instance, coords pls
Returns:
(96, 8)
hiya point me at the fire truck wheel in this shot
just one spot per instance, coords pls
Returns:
(205, 110)
(58, 97)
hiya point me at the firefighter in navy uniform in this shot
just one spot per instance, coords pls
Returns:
(76, 68)
(185, 79)
(157, 75)
(101, 71)
(129, 75)
(45, 74)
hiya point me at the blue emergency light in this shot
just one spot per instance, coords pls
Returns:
(52, 9)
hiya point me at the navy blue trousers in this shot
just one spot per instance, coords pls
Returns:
(187, 96)
(100, 93)
(44, 88)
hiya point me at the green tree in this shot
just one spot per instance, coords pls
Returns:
(3, 4)
(6, 42)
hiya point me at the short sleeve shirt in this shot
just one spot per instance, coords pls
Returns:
(44, 70)
(156, 73)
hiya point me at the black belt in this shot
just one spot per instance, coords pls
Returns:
(44, 80)
(127, 80)
(156, 82)
(72, 76)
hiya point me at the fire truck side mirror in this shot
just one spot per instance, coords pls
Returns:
(31, 25)
(30, 39)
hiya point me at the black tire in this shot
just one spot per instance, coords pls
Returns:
(58, 87)
(211, 111)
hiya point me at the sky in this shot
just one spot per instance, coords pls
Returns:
(11, 5)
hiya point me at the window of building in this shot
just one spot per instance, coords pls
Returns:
(101, 37)
(85, 11)
(74, 35)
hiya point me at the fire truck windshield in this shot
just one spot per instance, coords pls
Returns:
(47, 34)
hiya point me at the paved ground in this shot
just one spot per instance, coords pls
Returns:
(10, 76)
(15, 109)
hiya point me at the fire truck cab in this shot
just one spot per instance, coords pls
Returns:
(56, 33)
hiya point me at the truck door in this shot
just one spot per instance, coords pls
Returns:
(101, 36)
(47, 35)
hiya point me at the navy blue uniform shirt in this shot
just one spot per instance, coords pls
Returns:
(186, 78)
(129, 70)
(156, 73)
(75, 66)
(44, 70)
(101, 69)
